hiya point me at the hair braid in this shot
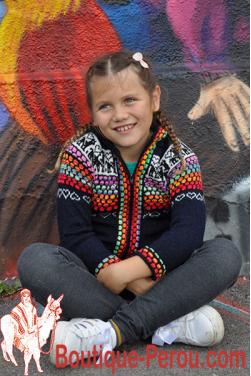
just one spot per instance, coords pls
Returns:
(165, 123)
(79, 133)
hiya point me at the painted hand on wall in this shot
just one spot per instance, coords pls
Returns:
(228, 99)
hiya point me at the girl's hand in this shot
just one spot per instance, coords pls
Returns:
(112, 278)
(117, 276)
(141, 286)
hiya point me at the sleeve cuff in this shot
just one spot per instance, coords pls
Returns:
(112, 259)
(153, 260)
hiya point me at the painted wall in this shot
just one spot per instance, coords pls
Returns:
(199, 49)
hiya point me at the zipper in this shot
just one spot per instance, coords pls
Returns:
(132, 186)
(131, 180)
(131, 189)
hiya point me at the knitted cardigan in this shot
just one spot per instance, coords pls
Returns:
(105, 215)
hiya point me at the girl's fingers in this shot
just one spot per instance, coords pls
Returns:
(223, 117)
(241, 122)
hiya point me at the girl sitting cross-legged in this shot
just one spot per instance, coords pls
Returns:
(131, 263)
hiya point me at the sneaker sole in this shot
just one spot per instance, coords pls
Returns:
(60, 336)
(217, 323)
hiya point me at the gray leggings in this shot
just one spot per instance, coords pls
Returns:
(48, 269)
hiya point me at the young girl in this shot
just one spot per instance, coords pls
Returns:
(131, 213)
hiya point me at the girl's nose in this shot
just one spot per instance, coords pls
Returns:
(120, 114)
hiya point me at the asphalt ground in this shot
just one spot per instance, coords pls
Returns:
(231, 357)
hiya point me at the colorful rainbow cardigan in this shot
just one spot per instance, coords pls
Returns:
(105, 215)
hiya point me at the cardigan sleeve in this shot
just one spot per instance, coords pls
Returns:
(188, 215)
(74, 211)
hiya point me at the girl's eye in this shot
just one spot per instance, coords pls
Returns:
(130, 100)
(104, 107)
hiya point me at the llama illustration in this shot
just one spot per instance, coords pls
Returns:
(26, 331)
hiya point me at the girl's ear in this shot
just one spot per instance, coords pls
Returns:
(156, 98)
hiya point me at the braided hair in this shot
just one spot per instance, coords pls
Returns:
(166, 124)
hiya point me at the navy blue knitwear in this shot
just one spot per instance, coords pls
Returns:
(106, 215)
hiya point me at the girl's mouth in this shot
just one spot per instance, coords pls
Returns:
(124, 128)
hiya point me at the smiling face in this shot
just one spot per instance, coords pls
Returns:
(123, 110)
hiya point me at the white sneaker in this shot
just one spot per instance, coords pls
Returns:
(82, 335)
(203, 327)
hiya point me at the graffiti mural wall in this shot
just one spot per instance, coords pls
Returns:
(200, 51)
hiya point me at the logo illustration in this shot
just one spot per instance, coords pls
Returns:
(26, 331)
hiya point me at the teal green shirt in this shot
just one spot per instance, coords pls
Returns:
(131, 167)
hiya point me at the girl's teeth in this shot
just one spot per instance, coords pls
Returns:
(125, 128)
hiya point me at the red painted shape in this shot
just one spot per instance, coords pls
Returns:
(232, 315)
(243, 280)
(233, 304)
(60, 53)
(242, 31)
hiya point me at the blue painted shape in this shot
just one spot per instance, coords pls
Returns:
(3, 9)
(144, 28)
(4, 116)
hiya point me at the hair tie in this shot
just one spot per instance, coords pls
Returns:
(139, 57)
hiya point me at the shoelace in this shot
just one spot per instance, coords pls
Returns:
(86, 331)
(164, 334)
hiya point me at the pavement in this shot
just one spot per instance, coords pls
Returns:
(173, 360)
